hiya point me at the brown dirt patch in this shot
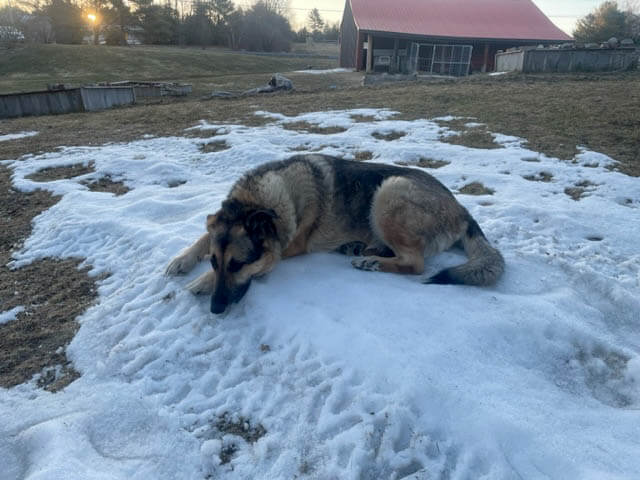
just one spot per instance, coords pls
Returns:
(388, 136)
(539, 177)
(58, 173)
(308, 148)
(476, 188)
(299, 148)
(362, 118)
(459, 124)
(107, 184)
(214, 147)
(472, 138)
(311, 128)
(577, 192)
(53, 291)
(241, 427)
(204, 133)
(363, 155)
(425, 162)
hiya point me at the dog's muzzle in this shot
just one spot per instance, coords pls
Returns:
(222, 297)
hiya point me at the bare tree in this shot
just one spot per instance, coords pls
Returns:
(632, 6)
(281, 7)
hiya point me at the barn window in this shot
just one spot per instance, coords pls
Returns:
(440, 59)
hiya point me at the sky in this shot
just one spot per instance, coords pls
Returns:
(564, 13)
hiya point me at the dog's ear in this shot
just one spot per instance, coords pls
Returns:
(260, 223)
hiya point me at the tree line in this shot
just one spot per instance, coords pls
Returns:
(263, 26)
(610, 20)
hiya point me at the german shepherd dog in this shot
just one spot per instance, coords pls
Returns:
(388, 216)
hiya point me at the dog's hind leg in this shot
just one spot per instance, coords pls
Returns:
(205, 284)
(394, 218)
(410, 262)
(189, 257)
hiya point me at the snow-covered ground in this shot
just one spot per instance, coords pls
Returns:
(15, 136)
(321, 72)
(10, 315)
(352, 374)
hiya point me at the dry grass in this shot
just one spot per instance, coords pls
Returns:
(424, 162)
(240, 427)
(468, 136)
(58, 173)
(539, 177)
(33, 66)
(596, 111)
(476, 188)
(316, 48)
(218, 146)
(389, 137)
(472, 138)
(311, 128)
(107, 184)
(363, 155)
(431, 163)
(578, 191)
(362, 118)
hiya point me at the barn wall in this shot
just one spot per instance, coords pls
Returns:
(348, 39)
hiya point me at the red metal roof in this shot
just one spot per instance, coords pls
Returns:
(487, 19)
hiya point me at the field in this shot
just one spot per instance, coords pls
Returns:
(546, 163)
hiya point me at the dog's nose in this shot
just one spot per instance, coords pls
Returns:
(217, 306)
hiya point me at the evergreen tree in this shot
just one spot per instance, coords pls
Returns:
(315, 23)
(606, 21)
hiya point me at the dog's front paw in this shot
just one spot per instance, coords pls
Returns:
(180, 264)
(369, 264)
(203, 285)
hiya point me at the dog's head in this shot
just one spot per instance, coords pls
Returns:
(243, 240)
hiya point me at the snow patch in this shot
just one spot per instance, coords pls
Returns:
(324, 72)
(15, 136)
(10, 315)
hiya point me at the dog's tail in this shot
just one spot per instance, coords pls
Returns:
(485, 263)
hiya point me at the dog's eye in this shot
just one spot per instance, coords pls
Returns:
(214, 262)
(234, 266)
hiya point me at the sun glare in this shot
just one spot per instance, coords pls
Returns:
(91, 17)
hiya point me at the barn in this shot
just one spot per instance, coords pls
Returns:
(451, 37)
